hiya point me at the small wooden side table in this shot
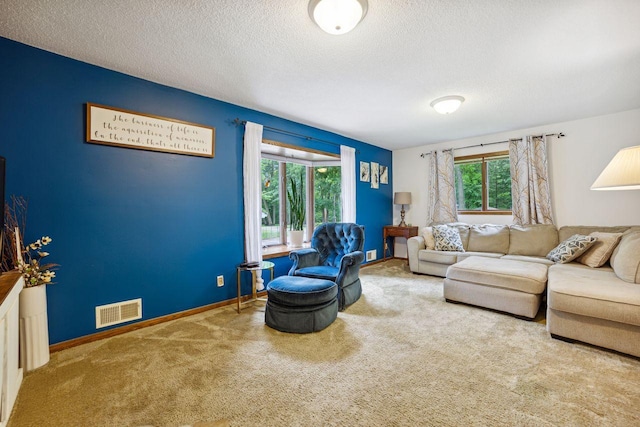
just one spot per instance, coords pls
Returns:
(264, 265)
(396, 231)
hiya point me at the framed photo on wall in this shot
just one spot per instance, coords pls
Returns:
(384, 174)
(375, 175)
(364, 171)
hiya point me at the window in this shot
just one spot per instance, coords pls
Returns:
(483, 183)
(310, 170)
(270, 201)
(326, 191)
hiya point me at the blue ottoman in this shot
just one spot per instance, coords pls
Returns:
(300, 304)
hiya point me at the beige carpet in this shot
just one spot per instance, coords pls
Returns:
(400, 356)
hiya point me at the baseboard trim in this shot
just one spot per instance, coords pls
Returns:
(157, 320)
(144, 324)
(378, 261)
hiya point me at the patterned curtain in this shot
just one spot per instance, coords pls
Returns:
(530, 181)
(442, 193)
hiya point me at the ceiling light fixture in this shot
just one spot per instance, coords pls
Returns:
(337, 16)
(447, 104)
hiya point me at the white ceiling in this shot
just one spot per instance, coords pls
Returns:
(518, 63)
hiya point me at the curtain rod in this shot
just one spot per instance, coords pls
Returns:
(558, 135)
(239, 122)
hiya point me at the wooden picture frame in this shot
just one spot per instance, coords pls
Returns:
(123, 128)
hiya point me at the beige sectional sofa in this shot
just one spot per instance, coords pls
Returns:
(502, 268)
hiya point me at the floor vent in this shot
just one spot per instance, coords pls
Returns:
(120, 312)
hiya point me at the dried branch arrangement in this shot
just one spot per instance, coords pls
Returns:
(26, 259)
(15, 216)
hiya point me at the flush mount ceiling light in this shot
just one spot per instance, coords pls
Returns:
(337, 16)
(447, 104)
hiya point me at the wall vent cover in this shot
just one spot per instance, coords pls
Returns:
(120, 312)
(371, 255)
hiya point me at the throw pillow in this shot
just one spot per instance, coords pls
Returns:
(598, 254)
(626, 263)
(571, 248)
(447, 239)
(429, 241)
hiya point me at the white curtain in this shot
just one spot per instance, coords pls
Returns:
(530, 187)
(252, 196)
(442, 193)
(348, 185)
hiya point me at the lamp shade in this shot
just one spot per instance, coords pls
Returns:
(402, 198)
(337, 16)
(622, 172)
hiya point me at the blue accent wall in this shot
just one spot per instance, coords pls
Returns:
(130, 223)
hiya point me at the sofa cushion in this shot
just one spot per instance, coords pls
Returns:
(465, 255)
(567, 231)
(488, 238)
(626, 263)
(324, 272)
(439, 257)
(598, 254)
(532, 239)
(447, 238)
(301, 291)
(594, 292)
(538, 259)
(571, 248)
(520, 276)
(429, 241)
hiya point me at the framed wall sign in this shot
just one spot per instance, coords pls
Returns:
(123, 128)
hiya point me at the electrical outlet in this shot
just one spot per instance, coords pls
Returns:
(220, 281)
(371, 255)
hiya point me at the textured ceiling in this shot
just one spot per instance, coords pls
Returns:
(518, 63)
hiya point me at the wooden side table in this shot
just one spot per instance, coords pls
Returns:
(396, 231)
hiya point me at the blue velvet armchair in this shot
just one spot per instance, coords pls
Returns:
(335, 254)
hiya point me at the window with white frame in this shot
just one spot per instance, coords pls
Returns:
(317, 175)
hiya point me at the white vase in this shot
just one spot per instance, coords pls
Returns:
(34, 328)
(296, 237)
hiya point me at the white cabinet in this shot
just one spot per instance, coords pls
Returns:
(10, 372)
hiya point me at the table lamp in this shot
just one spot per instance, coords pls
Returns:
(622, 172)
(402, 198)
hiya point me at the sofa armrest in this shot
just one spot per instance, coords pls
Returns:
(303, 258)
(350, 267)
(414, 245)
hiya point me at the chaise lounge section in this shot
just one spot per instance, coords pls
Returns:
(599, 306)
(511, 286)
